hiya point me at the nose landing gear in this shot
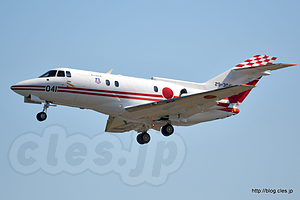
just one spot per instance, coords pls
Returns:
(41, 116)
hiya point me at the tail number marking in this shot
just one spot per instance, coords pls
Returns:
(51, 88)
(223, 85)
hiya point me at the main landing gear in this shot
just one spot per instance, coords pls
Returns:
(167, 130)
(144, 137)
(41, 116)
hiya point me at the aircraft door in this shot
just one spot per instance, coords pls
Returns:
(82, 83)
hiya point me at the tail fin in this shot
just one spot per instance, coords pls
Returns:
(239, 98)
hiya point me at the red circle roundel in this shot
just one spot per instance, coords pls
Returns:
(167, 93)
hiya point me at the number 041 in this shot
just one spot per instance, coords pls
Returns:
(51, 88)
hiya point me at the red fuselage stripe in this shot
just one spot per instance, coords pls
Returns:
(110, 95)
(110, 91)
(35, 89)
(18, 87)
(95, 92)
(27, 86)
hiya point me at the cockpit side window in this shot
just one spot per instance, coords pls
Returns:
(50, 73)
(68, 74)
(61, 74)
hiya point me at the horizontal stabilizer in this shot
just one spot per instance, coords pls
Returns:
(257, 60)
(269, 67)
(261, 63)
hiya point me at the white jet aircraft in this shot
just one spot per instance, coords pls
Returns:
(143, 104)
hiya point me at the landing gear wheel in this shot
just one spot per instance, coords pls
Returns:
(41, 116)
(146, 137)
(167, 130)
(143, 138)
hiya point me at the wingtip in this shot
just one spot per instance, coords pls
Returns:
(289, 64)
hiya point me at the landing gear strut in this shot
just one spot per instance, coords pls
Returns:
(143, 138)
(167, 130)
(41, 116)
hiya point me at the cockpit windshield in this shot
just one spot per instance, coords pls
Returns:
(53, 73)
(50, 73)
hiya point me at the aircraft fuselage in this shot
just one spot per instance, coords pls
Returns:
(110, 94)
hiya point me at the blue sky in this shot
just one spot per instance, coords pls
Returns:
(186, 40)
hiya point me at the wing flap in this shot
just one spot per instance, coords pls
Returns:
(117, 125)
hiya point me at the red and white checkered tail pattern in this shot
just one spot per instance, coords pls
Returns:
(257, 60)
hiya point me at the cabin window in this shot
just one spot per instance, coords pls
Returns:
(61, 74)
(155, 89)
(50, 73)
(68, 74)
(107, 82)
(116, 83)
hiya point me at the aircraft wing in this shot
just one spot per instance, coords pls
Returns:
(185, 106)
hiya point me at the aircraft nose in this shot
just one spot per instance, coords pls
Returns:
(15, 86)
(23, 88)
(19, 85)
